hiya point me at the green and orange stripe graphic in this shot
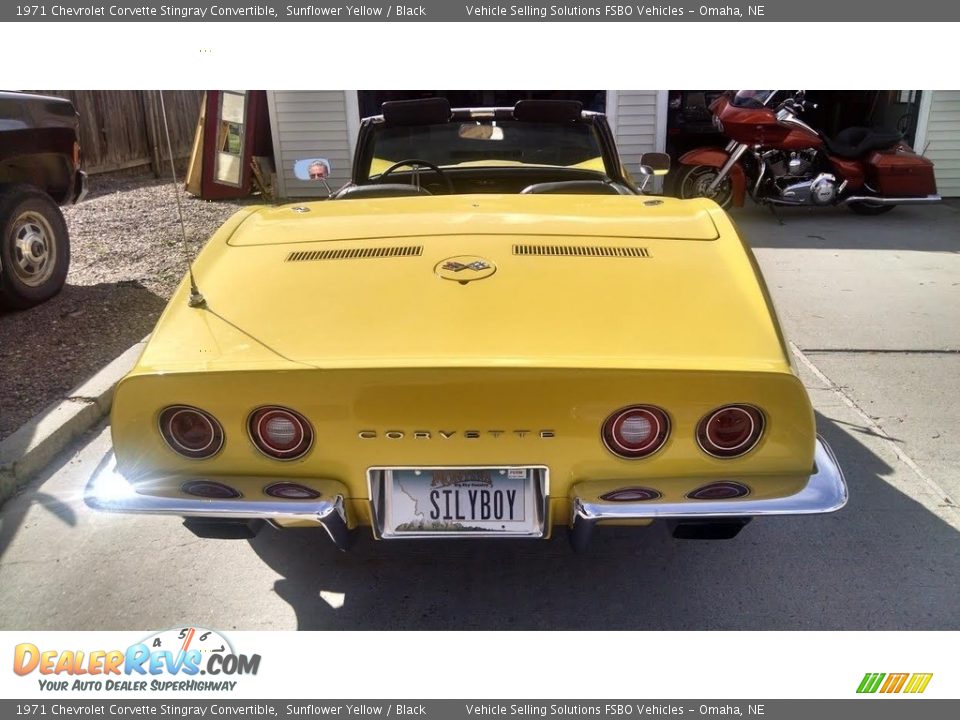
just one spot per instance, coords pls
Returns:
(894, 682)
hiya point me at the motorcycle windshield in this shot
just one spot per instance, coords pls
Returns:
(752, 98)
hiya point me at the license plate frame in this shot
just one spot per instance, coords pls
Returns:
(390, 522)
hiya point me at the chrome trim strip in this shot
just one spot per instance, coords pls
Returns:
(917, 200)
(109, 491)
(376, 487)
(788, 117)
(825, 492)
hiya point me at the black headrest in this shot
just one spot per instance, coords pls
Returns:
(428, 111)
(547, 110)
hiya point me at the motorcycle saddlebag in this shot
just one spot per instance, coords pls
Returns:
(899, 172)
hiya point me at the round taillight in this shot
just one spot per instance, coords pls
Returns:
(730, 431)
(724, 490)
(280, 433)
(630, 494)
(191, 432)
(209, 489)
(636, 431)
(291, 491)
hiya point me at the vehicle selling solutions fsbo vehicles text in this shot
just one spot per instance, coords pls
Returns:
(610, 11)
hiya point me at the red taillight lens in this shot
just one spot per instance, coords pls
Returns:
(636, 431)
(630, 494)
(719, 491)
(209, 489)
(191, 432)
(280, 433)
(730, 431)
(291, 491)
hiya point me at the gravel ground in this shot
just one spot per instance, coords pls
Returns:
(126, 260)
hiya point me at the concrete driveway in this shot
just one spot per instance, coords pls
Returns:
(873, 307)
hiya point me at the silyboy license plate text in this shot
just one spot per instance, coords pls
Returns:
(454, 500)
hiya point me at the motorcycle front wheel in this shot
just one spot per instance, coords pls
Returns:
(693, 181)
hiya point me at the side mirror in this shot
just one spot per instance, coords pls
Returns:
(313, 170)
(654, 163)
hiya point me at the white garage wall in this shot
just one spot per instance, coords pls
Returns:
(308, 123)
(943, 136)
(633, 115)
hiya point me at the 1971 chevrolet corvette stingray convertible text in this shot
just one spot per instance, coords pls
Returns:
(489, 332)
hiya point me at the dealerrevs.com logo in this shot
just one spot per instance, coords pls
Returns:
(888, 683)
(171, 660)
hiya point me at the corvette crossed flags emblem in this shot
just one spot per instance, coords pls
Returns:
(476, 265)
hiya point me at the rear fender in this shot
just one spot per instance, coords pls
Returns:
(713, 157)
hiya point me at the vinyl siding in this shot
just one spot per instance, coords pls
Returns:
(636, 125)
(943, 136)
(308, 123)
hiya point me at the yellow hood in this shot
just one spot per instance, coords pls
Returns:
(577, 281)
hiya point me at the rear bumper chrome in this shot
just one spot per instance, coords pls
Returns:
(825, 492)
(109, 491)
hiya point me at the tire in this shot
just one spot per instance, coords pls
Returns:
(868, 208)
(34, 247)
(691, 182)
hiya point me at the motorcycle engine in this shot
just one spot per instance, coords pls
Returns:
(795, 177)
(791, 165)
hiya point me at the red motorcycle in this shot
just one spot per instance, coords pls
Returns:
(780, 160)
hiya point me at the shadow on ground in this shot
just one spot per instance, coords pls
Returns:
(929, 228)
(883, 562)
(51, 348)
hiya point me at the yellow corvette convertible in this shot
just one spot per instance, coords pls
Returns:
(491, 331)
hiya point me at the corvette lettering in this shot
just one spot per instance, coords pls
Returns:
(450, 434)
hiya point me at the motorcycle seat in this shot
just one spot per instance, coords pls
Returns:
(855, 142)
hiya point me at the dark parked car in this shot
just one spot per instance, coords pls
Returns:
(39, 171)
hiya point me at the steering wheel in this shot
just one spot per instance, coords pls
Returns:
(415, 163)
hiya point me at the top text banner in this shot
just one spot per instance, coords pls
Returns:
(858, 11)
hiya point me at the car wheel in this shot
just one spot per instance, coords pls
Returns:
(869, 208)
(693, 181)
(34, 247)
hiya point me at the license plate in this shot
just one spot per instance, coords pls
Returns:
(462, 502)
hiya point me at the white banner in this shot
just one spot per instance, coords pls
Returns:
(196, 662)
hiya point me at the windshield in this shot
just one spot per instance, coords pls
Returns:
(487, 143)
(752, 98)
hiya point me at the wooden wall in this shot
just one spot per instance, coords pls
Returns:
(122, 129)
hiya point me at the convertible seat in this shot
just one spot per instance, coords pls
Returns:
(855, 142)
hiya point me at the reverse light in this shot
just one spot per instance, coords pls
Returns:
(209, 489)
(280, 433)
(724, 490)
(730, 431)
(291, 491)
(630, 494)
(191, 432)
(636, 431)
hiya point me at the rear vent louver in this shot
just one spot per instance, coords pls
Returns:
(355, 253)
(581, 251)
